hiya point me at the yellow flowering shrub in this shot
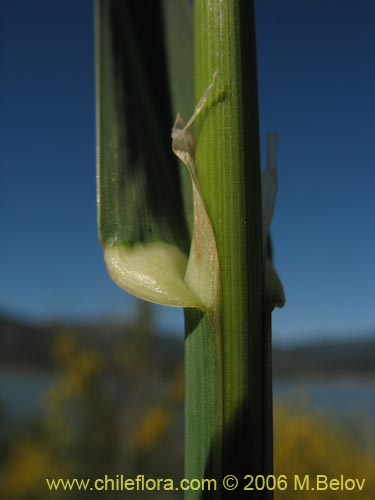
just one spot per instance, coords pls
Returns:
(25, 471)
(152, 428)
(307, 444)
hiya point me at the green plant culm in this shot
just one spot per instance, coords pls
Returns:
(238, 427)
(194, 237)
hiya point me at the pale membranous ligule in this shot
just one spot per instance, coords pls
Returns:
(202, 273)
(275, 295)
(160, 272)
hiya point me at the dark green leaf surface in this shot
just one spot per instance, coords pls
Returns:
(178, 24)
(139, 192)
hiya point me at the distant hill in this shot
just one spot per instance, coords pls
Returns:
(27, 346)
(24, 345)
(327, 357)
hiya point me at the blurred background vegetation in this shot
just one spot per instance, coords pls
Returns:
(107, 398)
(82, 397)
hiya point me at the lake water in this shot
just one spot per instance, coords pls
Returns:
(352, 399)
(22, 394)
(347, 402)
(349, 397)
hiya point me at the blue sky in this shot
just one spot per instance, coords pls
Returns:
(316, 88)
